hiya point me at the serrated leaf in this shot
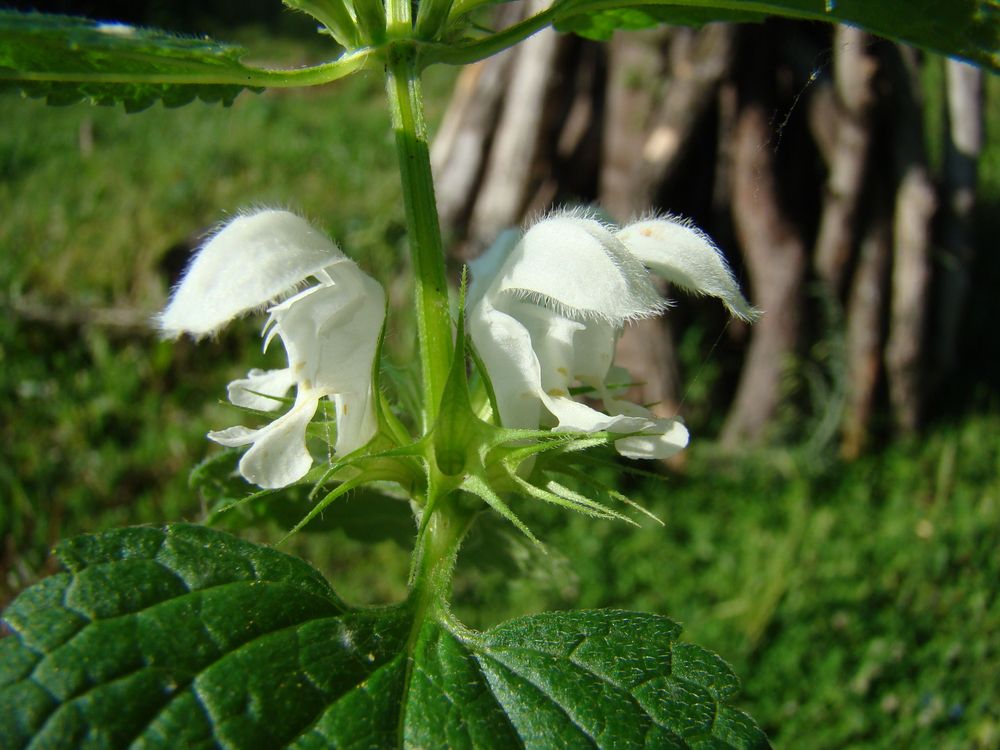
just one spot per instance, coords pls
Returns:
(67, 59)
(602, 678)
(117, 63)
(187, 637)
(969, 29)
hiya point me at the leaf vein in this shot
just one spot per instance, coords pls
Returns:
(486, 681)
(572, 720)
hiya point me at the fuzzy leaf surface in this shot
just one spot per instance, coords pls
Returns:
(67, 59)
(188, 637)
(969, 29)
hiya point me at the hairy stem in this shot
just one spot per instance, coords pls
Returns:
(432, 566)
(426, 249)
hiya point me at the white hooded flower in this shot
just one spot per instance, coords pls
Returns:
(330, 332)
(546, 309)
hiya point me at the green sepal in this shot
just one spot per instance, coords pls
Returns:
(486, 385)
(560, 495)
(364, 477)
(596, 486)
(374, 512)
(333, 14)
(431, 17)
(459, 433)
(371, 15)
(481, 487)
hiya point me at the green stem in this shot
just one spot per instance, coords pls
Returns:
(432, 567)
(426, 248)
(437, 550)
(399, 19)
(470, 52)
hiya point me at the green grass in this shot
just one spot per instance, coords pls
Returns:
(95, 221)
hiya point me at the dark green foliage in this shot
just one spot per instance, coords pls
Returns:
(174, 637)
(964, 28)
(184, 636)
(114, 63)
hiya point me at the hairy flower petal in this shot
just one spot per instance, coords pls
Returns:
(355, 420)
(663, 439)
(330, 333)
(687, 257)
(577, 268)
(251, 261)
(504, 345)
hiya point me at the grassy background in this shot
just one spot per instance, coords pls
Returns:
(859, 602)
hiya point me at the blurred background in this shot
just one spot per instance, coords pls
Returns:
(832, 532)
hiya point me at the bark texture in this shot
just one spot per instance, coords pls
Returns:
(841, 121)
(963, 145)
(916, 202)
(775, 257)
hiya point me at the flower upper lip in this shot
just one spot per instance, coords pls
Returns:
(253, 260)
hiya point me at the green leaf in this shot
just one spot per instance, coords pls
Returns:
(40, 49)
(969, 29)
(604, 678)
(67, 60)
(188, 637)
(602, 24)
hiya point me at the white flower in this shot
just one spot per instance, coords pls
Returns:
(330, 332)
(546, 309)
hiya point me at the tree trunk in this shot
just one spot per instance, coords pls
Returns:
(842, 124)
(963, 144)
(865, 312)
(915, 205)
(504, 193)
(463, 140)
(775, 255)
